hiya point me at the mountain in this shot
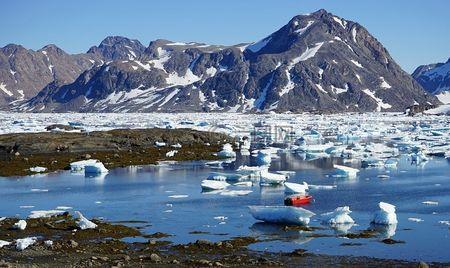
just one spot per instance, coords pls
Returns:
(23, 72)
(316, 62)
(435, 78)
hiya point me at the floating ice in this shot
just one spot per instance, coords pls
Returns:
(177, 196)
(338, 216)
(38, 169)
(22, 244)
(214, 185)
(35, 214)
(322, 187)
(346, 171)
(84, 223)
(235, 192)
(281, 214)
(264, 157)
(227, 151)
(79, 165)
(295, 187)
(415, 219)
(20, 225)
(95, 168)
(430, 203)
(243, 184)
(272, 178)
(386, 215)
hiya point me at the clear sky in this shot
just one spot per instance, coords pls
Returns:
(414, 31)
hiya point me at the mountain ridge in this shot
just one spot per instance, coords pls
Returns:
(316, 62)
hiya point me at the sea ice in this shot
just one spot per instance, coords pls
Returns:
(84, 223)
(281, 214)
(38, 169)
(214, 185)
(227, 151)
(95, 168)
(339, 216)
(295, 187)
(386, 215)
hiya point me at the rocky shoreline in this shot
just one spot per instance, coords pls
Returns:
(105, 246)
(115, 148)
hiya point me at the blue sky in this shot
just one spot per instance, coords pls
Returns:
(414, 31)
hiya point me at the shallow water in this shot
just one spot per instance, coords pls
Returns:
(143, 194)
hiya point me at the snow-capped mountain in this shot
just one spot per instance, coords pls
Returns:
(435, 78)
(24, 72)
(316, 62)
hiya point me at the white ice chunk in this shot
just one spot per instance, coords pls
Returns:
(281, 214)
(84, 223)
(386, 215)
(346, 171)
(38, 169)
(214, 185)
(295, 188)
(22, 244)
(35, 214)
(95, 168)
(79, 165)
(272, 178)
(227, 151)
(20, 225)
(338, 216)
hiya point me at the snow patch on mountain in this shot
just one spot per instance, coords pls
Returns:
(259, 45)
(380, 103)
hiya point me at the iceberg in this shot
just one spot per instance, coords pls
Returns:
(281, 214)
(272, 178)
(346, 171)
(38, 169)
(95, 168)
(264, 157)
(227, 151)
(84, 223)
(295, 188)
(22, 244)
(20, 225)
(214, 185)
(79, 165)
(338, 216)
(386, 215)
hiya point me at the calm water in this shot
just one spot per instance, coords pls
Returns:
(143, 194)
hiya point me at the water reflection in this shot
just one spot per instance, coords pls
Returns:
(281, 233)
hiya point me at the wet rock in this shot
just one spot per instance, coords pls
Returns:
(391, 241)
(126, 258)
(204, 242)
(155, 258)
(87, 156)
(16, 153)
(423, 265)
(72, 244)
(204, 262)
(175, 262)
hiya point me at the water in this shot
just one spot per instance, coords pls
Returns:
(142, 194)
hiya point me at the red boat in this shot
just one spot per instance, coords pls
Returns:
(297, 200)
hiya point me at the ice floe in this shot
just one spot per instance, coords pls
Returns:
(386, 215)
(281, 214)
(84, 223)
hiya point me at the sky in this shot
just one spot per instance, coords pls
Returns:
(415, 32)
